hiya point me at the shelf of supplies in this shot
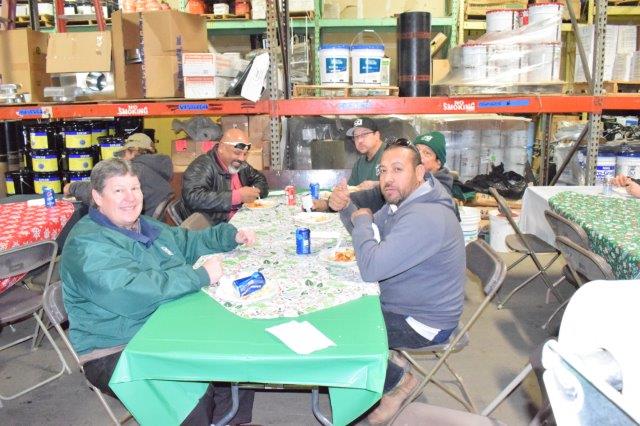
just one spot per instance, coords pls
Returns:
(512, 104)
(631, 12)
(482, 25)
(173, 107)
(376, 23)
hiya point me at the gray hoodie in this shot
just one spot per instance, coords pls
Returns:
(420, 260)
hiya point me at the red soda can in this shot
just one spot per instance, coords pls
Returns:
(290, 192)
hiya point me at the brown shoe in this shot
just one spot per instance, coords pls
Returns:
(391, 402)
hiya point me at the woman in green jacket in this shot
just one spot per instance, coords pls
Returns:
(117, 267)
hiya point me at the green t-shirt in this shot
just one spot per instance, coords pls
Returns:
(365, 169)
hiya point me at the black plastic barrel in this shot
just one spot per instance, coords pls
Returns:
(414, 54)
(12, 139)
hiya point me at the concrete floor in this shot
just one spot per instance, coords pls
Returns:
(500, 345)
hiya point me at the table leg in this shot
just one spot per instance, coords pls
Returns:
(235, 403)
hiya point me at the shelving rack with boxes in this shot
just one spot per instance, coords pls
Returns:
(278, 108)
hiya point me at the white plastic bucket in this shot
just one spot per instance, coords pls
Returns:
(366, 59)
(334, 64)
(503, 20)
(544, 62)
(468, 141)
(499, 228)
(540, 12)
(469, 222)
(474, 62)
(503, 63)
(628, 164)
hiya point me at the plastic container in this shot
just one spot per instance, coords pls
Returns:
(110, 145)
(70, 177)
(499, 230)
(42, 136)
(98, 129)
(334, 60)
(45, 160)
(474, 62)
(79, 160)
(503, 19)
(628, 163)
(366, 60)
(77, 134)
(50, 180)
(544, 62)
(552, 14)
(605, 165)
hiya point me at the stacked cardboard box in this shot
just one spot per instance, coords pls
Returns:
(620, 45)
(208, 75)
(350, 9)
(22, 61)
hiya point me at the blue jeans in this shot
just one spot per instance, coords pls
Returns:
(401, 335)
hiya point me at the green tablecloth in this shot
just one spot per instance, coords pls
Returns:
(165, 368)
(612, 224)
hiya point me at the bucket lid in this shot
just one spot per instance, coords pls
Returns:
(334, 46)
(549, 3)
(367, 46)
(504, 10)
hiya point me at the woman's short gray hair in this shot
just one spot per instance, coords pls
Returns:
(106, 169)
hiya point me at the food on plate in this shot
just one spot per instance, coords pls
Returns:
(345, 255)
(320, 218)
(255, 205)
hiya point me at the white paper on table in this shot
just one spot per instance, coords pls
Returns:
(35, 202)
(202, 259)
(301, 337)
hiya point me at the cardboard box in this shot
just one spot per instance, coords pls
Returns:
(184, 151)
(23, 55)
(165, 36)
(259, 129)
(200, 87)
(79, 52)
(439, 69)
(255, 158)
(351, 9)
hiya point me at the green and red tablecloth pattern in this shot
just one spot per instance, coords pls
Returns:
(612, 224)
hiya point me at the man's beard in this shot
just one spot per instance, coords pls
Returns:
(234, 170)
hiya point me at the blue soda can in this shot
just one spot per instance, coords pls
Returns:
(314, 190)
(49, 197)
(303, 241)
(250, 284)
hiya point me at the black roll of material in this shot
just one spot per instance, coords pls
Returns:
(414, 54)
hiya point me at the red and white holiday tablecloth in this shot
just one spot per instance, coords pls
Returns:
(21, 224)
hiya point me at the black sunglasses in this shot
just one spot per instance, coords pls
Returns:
(403, 142)
(240, 145)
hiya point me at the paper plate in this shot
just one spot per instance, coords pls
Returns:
(330, 256)
(313, 218)
(261, 204)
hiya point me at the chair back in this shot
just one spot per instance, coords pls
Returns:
(485, 263)
(55, 311)
(175, 210)
(196, 221)
(584, 261)
(503, 208)
(158, 213)
(563, 227)
(23, 259)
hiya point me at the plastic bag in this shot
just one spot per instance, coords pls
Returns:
(510, 184)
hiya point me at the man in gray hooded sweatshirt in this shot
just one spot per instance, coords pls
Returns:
(414, 247)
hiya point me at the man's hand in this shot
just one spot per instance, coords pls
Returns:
(246, 237)
(249, 194)
(339, 198)
(320, 205)
(627, 183)
(368, 184)
(361, 212)
(213, 267)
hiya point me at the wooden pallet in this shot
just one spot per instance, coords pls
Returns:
(227, 17)
(624, 2)
(302, 14)
(314, 91)
(494, 89)
(480, 7)
(608, 87)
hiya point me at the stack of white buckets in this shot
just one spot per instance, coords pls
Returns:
(514, 59)
(362, 64)
(470, 222)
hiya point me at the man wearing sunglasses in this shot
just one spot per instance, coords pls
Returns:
(366, 138)
(219, 182)
(414, 248)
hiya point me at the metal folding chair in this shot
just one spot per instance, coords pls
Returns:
(158, 213)
(57, 315)
(584, 266)
(18, 303)
(176, 211)
(483, 262)
(196, 221)
(528, 245)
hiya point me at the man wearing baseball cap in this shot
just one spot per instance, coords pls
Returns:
(366, 137)
(154, 171)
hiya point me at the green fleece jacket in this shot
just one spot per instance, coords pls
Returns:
(113, 279)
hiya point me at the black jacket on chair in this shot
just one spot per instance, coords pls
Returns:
(206, 186)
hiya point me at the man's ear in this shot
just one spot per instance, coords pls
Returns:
(420, 172)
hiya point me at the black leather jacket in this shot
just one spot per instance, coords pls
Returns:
(206, 186)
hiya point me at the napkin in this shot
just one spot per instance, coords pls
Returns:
(301, 337)
(35, 202)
